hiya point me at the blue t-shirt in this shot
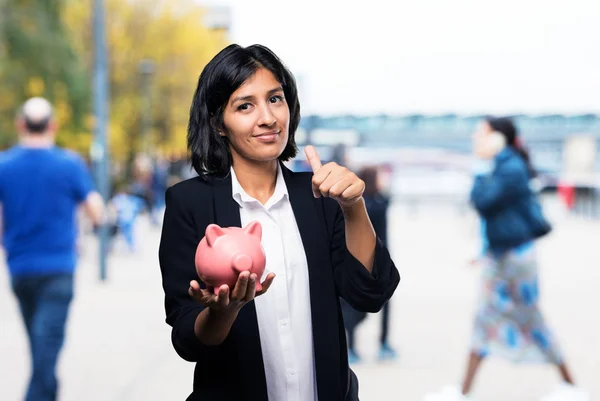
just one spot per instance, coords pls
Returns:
(40, 189)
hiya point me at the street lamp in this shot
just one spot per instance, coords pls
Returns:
(146, 70)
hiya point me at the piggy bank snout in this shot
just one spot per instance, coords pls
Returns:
(242, 262)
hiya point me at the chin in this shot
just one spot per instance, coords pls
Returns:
(268, 152)
(268, 156)
(262, 152)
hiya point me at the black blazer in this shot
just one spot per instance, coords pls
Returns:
(234, 370)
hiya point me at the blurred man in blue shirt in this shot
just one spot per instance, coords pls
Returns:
(41, 187)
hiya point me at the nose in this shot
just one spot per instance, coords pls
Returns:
(242, 263)
(267, 118)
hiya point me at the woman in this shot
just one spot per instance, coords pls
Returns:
(508, 322)
(377, 207)
(287, 341)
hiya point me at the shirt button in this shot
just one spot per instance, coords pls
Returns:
(292, 372)
(284, 323)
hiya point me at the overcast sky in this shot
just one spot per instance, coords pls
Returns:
(432, 56)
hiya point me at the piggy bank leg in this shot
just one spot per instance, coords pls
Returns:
(216, 290)
(258, 287)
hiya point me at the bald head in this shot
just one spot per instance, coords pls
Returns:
(37, 115)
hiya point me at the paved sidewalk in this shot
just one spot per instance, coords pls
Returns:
(118, 346)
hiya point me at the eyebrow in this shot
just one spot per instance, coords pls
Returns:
(250, 97)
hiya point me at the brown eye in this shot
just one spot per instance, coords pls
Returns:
(276, 98)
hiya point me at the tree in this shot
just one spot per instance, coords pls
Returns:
(37, 59)
(172, 35)
(46, 49)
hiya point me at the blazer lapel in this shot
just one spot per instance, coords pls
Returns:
(227, 210)
(309, 215)
(245, 330)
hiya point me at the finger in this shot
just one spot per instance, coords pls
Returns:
(320, 177)
(313, 158)
(266, 284)
(239, 291)
(337, 187)
(327, 171)
(251, 289)
(315, 190)
(336, 173)
(353, 192)
(194, 289)
(209, 294)
(222, 298)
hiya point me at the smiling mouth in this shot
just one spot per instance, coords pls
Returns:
(267, 134)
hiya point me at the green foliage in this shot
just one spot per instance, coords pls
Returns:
(38, 59)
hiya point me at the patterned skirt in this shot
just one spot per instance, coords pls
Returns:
(508, 322)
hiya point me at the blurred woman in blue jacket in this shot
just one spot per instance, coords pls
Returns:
(508, 322)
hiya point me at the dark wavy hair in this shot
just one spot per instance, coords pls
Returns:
(223, 75)
(506, 127)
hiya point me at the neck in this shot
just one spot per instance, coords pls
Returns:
(257, 179)
(37, 141)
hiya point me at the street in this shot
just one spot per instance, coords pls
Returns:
(118, 345)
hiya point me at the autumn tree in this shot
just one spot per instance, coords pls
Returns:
(47, 49)
(169, 33)
(37, 58)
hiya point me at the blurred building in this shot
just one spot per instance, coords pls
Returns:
(546, 136)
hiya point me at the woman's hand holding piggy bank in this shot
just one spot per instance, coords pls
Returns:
(231, 262)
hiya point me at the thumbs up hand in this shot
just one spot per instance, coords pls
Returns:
(334, 181)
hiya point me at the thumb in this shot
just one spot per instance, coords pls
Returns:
(313, 158)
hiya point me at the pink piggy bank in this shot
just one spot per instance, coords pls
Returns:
(224, 253)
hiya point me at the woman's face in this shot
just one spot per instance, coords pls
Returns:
(483, 129)
(486, 142)
(256, 119)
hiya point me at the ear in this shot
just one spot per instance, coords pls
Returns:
(213, 232)
(20, 125)
(254, 228)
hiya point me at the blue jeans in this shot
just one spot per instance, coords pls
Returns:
(44, 302)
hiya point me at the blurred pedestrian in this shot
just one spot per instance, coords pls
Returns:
(141, 185)
(41, 187)
(377, 207)
(126, 207)
(508, 322)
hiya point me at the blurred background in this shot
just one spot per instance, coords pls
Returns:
(396, 86)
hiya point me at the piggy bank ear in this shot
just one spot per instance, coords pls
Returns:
(254, 228)
(213, 232)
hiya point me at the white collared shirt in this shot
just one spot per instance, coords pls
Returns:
(283, 312)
